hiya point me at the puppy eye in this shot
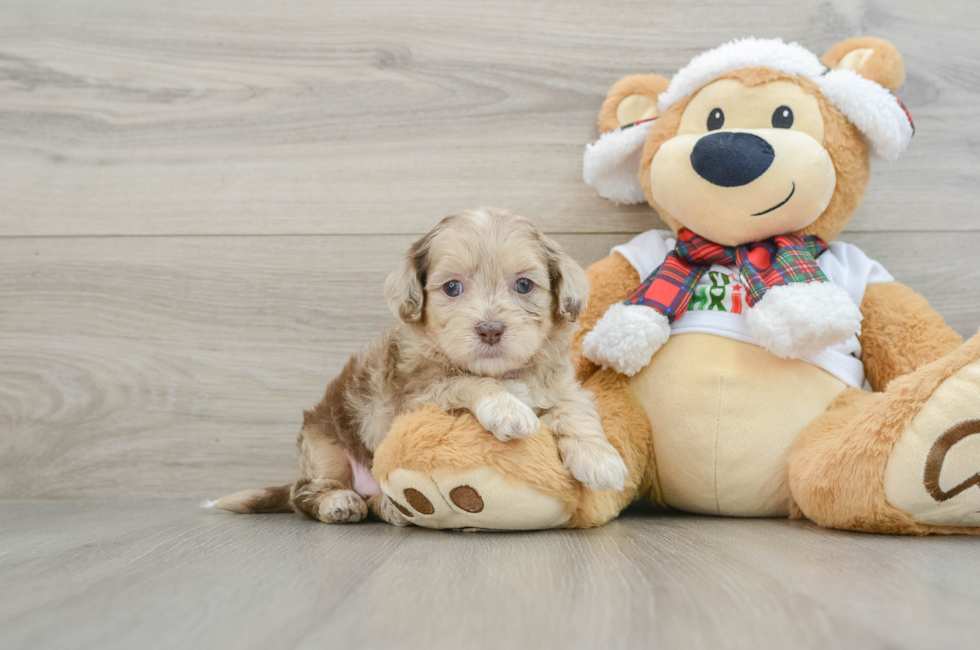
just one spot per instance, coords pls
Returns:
(453, 288)
(782, 117)
(523, 286)
(716, 120)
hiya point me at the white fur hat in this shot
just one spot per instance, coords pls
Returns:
(611, 162)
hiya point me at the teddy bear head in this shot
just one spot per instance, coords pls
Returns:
(754, 139)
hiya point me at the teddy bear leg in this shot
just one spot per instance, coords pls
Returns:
(905, 460)
(442, 471)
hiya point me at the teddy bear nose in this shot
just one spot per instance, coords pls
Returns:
(731, 159)
(490, 332)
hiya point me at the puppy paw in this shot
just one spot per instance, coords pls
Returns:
(597, 465)
(506, 416)
(388, 511)
(342, 507)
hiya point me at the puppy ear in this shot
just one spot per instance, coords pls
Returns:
(568, 281)
(631, 99)
(405, 286)
(872, 58)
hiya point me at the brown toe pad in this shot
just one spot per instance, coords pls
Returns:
(418, 501)
(467, 498)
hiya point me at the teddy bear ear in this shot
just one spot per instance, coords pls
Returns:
(630, 100)
(872, 58)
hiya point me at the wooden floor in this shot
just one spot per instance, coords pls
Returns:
(199, 200)
(165, 574)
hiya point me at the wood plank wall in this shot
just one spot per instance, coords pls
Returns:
(199, 199)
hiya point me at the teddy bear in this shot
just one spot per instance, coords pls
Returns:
(745, 362)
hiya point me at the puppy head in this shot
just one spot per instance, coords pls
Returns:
(488, 290)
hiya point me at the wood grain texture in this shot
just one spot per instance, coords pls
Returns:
(178, 577)
(180, 366)
(218, 117)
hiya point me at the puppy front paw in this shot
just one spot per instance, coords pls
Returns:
(506, 417)
(597, 465)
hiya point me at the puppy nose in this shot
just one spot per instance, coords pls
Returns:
(490, 332)
(731, 159)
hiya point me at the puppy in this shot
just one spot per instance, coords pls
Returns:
(487, 306)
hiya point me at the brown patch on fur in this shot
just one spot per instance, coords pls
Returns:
(900, 333)
(611, 280)
(841, 140)
(273, 499)
(884, 66)
(650, 85)
(335, 417)
(837, 465)
(466, 498)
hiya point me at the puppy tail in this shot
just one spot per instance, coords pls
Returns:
(247, 502)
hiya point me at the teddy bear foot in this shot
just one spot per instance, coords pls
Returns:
(933, 471)
(479, 498)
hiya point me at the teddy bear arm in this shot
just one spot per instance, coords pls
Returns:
(900, 333)
(611, 280)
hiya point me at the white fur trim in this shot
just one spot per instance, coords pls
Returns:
(799, 320)
(790, 58)
(626, 338)
(611, 163)
(872, 108)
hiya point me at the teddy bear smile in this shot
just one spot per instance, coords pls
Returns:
(778, 205)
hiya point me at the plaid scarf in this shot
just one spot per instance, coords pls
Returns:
(762, 265)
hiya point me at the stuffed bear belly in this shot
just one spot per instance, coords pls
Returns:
(724, 415)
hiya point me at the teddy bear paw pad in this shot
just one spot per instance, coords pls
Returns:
(933, 471)
(477, 499)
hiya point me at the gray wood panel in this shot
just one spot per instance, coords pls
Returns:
(213, 117)
(179, 577)
(180, 367)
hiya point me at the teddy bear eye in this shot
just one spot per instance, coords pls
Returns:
(782, 117)
(716, 119)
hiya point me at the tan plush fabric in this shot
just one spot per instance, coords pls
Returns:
(431, 452)
(714, 425)
(932, 471)
(724, 416)
(900, 333)
(837, 466)
(882, 64)
(841, 139)
(646, 85)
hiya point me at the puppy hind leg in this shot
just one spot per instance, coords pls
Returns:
(323, 490)
(329, 501)
(384, 509)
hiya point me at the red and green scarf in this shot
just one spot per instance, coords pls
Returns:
(762, 265)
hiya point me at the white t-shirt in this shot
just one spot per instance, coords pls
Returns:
(718, 304)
